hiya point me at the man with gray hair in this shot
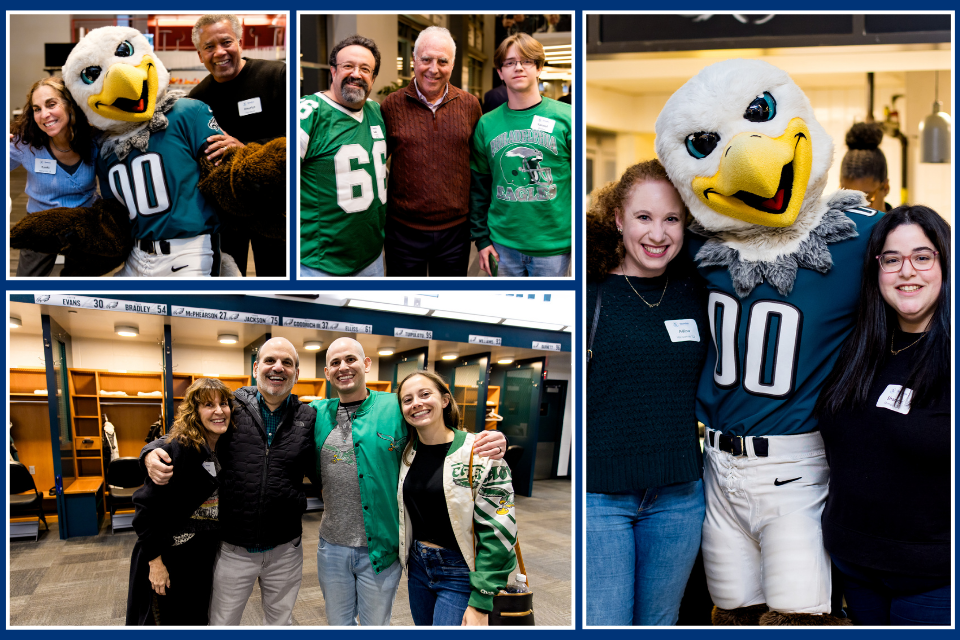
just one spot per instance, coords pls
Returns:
(248, 97)
(429, 126)
(261, 497)
(359, 439)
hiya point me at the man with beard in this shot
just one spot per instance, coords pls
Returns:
(261, 500)
(343, 175)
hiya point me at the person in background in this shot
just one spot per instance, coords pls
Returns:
(248, 97)
(886, 422)
(645, 500)
(864, 167)
(53, 141)
(177, 524)
(456, 538)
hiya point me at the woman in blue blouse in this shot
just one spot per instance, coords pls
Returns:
(53, 141)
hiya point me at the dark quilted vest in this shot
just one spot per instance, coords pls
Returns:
(261, 490)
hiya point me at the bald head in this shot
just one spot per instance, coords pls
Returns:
(347, 369)
(276, 370)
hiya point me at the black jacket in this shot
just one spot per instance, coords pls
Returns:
(261, 488)
(160, 513)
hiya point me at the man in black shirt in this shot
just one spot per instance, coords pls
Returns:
(248, 100)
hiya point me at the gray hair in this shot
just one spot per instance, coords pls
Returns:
(214, 18)
(431, 32)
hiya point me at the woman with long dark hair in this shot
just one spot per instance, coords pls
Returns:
(645, 500)
(54, 143)
(886, 424)
(178, 533)
(457, 530)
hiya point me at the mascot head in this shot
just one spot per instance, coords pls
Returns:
(116, 78)
(740, 142)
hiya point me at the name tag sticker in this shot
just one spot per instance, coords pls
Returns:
(212, 470)
(376, 132)
(888, 399)
(682, 330)
(543, 124)
(45, 165)
(249, 106)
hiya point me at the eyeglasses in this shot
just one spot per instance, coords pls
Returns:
(511, 63)
(348, 67)
(921, 260)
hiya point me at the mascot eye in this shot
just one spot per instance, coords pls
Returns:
(90, 75)
(702, 143)
(125, 50)
(762, 109)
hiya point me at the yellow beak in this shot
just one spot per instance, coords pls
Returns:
(761, 180)
(129, 93)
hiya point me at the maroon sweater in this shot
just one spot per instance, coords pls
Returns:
(429, 185)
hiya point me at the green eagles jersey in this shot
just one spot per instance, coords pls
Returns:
(527, 154)
(343, 185)
(159, 186)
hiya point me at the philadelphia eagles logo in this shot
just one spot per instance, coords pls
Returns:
(340, 455)
(503, 498)
(396, 444)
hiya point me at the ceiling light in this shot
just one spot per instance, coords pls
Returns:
(530, 324)
(935, 131)
(458, 315)
(312, 345)
(506, 358)
(450, 355)
(387, 348)
(127, 330)
(228, 338)
(15, 322)
(383, 306)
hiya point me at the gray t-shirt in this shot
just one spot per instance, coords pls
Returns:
(342, 521)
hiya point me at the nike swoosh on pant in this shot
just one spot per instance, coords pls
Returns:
(175, 269)
(777, 482)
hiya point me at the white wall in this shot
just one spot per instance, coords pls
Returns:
(26, 350)
(28, 33)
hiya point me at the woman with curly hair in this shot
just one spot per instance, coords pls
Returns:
(54, 143)
(171, 570)
(864, 167)
(645, 503)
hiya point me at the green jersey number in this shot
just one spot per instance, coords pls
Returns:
(348, 178)
(147, 193)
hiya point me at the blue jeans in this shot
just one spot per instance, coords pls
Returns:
(372, 270)
(516, 264)
(641, 547)
(438, 585)
(878, 598)
(351, 587)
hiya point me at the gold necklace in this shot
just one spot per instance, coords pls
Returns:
(906, 347)
(640, 296)
(67, 150)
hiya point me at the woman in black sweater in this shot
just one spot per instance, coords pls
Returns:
(886, 424)
(178, 534)
(645, 500)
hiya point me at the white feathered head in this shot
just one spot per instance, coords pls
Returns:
(740, 142)
(115, 77)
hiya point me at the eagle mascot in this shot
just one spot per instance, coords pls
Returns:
(163, 201)
(742, 145)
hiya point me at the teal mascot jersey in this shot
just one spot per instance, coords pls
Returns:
(159, 187)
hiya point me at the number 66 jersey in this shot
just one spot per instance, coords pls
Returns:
(159, 186)
(343, 185)
(771, 353)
